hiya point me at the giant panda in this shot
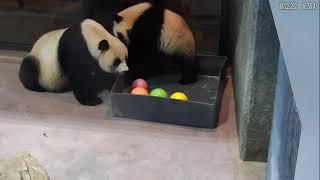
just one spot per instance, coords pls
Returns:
(74, 58)
(158, 41)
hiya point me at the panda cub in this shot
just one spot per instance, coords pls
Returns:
(75, 58)
(158, 40)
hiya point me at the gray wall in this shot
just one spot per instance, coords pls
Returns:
(20, 29)
(286, 129)
(252, 45)
(299, 38)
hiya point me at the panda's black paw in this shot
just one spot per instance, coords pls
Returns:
(94, 102)
(90, 102)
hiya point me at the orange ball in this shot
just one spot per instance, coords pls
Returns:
(140, 91)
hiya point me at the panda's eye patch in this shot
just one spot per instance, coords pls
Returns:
(116, 62)
(117, 18)
(121, 38)
(103, 45)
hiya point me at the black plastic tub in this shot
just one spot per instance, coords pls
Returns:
(200, 111)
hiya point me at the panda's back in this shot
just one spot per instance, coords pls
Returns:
(45, 50)
(176, 36)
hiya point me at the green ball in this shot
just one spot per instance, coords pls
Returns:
(159, 93)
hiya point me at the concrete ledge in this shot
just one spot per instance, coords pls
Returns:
(12, 56)
(253, 46)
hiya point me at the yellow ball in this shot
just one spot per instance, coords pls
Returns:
(179, 96)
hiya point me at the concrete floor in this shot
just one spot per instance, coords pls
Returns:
(87, 143)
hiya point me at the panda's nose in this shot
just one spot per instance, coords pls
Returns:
(122, 67)
(116, 62)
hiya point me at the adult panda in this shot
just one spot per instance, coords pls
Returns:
(76, 59)
(158, 40)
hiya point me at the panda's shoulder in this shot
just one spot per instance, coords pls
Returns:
(89, 23)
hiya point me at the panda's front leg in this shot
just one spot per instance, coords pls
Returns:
(189, 69)
(86, 98)
(85, 91)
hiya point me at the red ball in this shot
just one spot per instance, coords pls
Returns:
(139, 83)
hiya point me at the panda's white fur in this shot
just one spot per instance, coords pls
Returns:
(45, 50)
(176, 37)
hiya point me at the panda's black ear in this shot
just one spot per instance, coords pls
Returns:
(103, 45)
(117, 18)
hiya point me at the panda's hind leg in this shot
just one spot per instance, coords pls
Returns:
(189, 68)
(29, 74)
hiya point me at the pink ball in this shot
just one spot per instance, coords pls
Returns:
(139, 83)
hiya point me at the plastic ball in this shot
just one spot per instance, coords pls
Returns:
(159, 93)
(139, 83)
(140, 91)
(179, 96)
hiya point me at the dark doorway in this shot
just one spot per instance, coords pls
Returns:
(22, 22)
